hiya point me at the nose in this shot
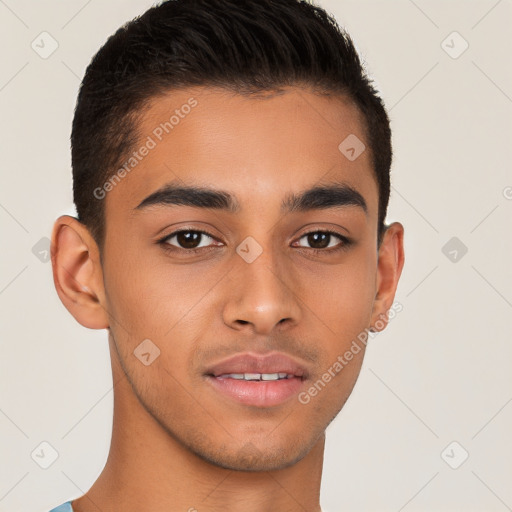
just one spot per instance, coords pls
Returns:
(262, 295)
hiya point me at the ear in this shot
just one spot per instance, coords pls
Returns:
(77, 272)
(389, 267)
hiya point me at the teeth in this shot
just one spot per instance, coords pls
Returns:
(252, 376)
(269, 376)
(257, 376)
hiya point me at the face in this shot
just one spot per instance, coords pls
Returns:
(249, 277)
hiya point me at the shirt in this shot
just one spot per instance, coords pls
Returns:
(65, 507)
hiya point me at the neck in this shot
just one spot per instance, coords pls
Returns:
(148, 469)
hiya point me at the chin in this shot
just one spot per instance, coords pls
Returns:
(252, 458)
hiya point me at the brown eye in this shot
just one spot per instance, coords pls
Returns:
(324, 240)
(319, 240)
(187, 239)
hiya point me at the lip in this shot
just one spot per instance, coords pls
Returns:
(248, 362)
(257, 393)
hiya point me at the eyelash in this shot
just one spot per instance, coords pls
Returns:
(345, 242)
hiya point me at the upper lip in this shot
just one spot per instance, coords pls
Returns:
(257, 363)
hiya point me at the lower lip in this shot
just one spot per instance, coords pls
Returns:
(266, 393)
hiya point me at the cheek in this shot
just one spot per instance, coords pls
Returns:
(151, 297)
(341, 296)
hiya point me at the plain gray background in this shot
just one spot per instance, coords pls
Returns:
(439, 374)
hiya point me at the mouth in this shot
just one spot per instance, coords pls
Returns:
(257, 380)
(256, 376)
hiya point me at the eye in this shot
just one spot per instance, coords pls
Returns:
(190, 241)
(187, 239)
(324, 241)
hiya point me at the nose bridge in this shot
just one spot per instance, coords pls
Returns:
(263, 294)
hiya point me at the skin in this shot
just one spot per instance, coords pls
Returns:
(178, 444)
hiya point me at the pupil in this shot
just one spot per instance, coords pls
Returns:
(188, 239)
(313, 239)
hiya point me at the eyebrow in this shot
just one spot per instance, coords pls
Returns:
(320, 197)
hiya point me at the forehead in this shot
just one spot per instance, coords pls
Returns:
(260, 148)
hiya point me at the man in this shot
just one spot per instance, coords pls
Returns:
(231, 177)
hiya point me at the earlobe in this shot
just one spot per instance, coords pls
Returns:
(389, 268)
(77, 272)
